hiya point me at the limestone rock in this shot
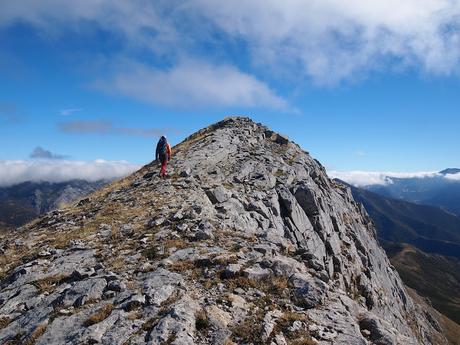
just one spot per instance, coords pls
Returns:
(247, 241)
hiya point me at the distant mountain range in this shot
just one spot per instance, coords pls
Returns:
(450, 171)
(23, 202)
(438, 190)
(423, 243)
(429, 228)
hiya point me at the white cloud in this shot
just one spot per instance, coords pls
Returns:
(192, 83)
(107, 127)
(453, 177)
(13, 172)
(324, 40)
(69, 111)
(333, 39)
(366, 178)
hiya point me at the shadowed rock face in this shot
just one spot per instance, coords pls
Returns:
(247, 241)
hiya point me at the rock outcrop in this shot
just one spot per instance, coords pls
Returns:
(246, 242)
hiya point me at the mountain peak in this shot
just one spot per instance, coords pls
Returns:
(246, 241)
(242, 125)
(449, 171)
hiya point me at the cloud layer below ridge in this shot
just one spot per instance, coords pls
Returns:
(14, 172)
(367, 178)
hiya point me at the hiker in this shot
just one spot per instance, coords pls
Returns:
(163, 154)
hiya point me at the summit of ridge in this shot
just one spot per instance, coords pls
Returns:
(246, 242)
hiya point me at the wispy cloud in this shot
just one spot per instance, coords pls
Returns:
(69, 111)
(191, 83)
(41, 153)
(85, 127)
(107, 127)
(149, 132)
(13, 172)
(367, 178)
(333, 40)
(326, 41)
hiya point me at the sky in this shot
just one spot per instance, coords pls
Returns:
(87, 87)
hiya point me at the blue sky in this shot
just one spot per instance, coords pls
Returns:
(360, 86)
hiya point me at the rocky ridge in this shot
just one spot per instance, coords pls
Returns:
(246, 242)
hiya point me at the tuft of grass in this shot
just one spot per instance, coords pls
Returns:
(178, 243)
(181, 266)
(153, 253)
(274, 285)
(298, 337)
(279, 173)
(117, 263)
(249, 330)
(37, 333)
(201, 320)
(4, 321)
(100, 315)
(277, 285)
(48, 284)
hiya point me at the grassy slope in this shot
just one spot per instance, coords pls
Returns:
(450, 329)
(436, 277)
(13, 213)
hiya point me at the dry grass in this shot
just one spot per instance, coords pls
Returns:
(117, 263)
(62, 239)
(112, 214)
(4, 321)
(100, 315)
(116, 185)
(276, 285)
(223, 261)
(148, 325)
(134, 315)
(273, 286)
(181, 266)
(176, 243)
(181, 147)
(201, 320)
(152, 253)
(249, 330)
(298, 337)
(37, 333)
(48, 284)
(208, 283)
(279, 173)
(229, 342)
(15, 256)
(450, 329)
